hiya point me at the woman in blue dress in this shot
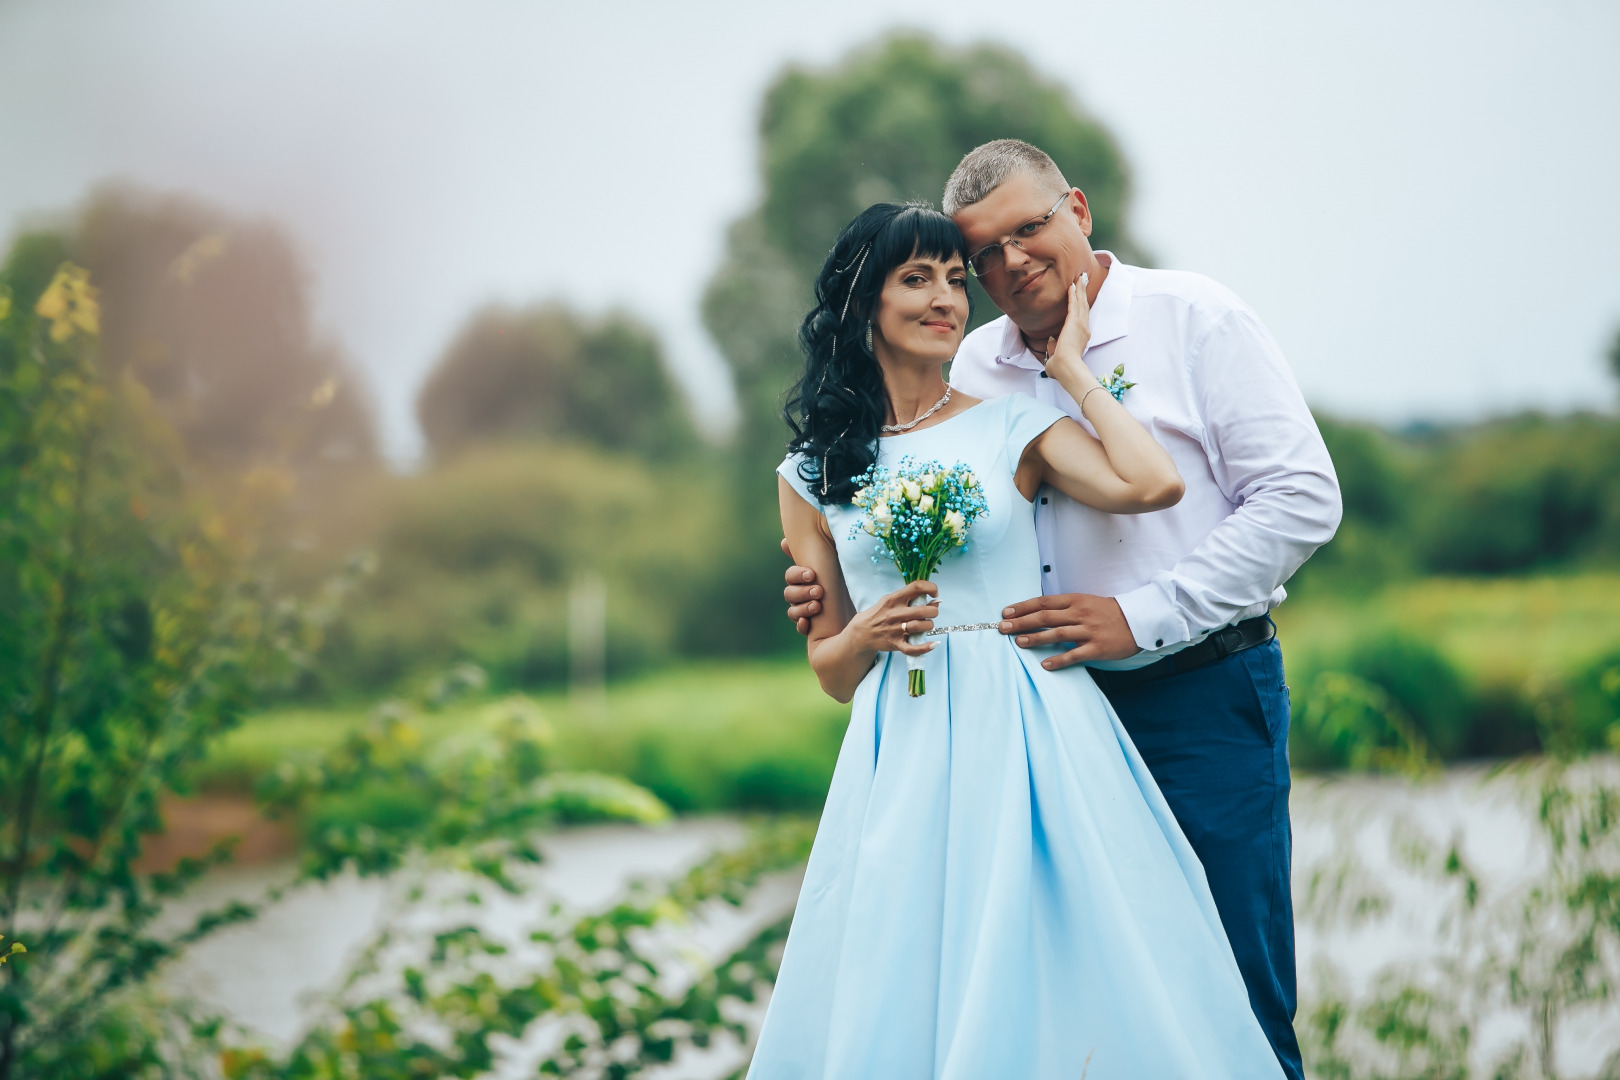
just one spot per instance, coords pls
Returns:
(997, 888)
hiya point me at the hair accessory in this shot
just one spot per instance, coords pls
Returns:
(861, 265)
(824, 454)
(850, 295)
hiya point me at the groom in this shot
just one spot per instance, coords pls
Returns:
(1169, 609)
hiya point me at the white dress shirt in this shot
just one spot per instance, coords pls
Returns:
(1214, 390)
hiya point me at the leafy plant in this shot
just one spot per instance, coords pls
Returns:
(1545, 952)
(384, 796)
(134, 634)
(622, 999)
(1360, 725)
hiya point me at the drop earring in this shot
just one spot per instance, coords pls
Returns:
(869, 339)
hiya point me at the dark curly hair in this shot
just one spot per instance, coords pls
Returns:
(837, 408)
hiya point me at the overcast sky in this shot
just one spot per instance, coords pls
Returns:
(1422, 199)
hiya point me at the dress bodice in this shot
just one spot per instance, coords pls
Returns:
(1000, 564)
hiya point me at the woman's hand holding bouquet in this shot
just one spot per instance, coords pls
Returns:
(918, 513)
(886, 625)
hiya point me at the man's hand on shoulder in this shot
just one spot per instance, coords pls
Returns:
(1094, 625)
(803, 595)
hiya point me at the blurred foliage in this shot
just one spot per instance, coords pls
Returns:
(1512, 495)
(545, 372)
(134, 634)
(753, 735)
(1390, 701)
(889, 121)
(385, 795)
(475, 558)
(1521, 494)
(211, 314)
(627, 1000)
(1347, 720)
(1520, 970)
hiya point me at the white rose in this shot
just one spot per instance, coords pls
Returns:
(955, 522)
(929, 480)
(882, 514)
(926, 504)
(913, 491)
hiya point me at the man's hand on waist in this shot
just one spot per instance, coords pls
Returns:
(1094, 625)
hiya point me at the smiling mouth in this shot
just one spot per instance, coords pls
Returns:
(940, 326)
(1032, 279)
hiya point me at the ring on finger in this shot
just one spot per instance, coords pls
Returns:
(903, 627)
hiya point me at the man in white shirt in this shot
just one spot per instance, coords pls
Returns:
(1169, 609)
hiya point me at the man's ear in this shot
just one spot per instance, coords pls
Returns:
(1082, 211)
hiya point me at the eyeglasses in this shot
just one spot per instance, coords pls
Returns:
(989, 259)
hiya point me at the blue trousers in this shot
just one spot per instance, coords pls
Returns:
(1216, 740)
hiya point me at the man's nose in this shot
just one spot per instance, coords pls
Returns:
(1014, 257)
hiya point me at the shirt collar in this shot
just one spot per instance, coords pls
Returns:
(1110, 317)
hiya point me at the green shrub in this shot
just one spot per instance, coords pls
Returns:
(1420, 681)
(1386, 697)
(1344, 720)
(475, 559)
(1581, 713)
(1518, 493)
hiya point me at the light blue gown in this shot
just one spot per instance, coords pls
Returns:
(997, 888)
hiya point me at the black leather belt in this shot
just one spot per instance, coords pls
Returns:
(1218, 646)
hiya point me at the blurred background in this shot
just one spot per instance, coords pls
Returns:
(388, 402)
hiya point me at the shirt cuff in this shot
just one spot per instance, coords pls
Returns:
(1153, 619)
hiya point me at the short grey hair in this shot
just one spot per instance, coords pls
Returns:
(987, 167)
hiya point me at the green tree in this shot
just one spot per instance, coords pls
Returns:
(547, 372)
(476, 557)
(132, 636)
(211, 313)
(890, 121)
(1518, 493)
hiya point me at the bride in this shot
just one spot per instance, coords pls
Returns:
(997, 888)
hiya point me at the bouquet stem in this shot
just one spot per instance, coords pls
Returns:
(915, 685)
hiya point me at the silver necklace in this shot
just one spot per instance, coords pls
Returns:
(938, 405)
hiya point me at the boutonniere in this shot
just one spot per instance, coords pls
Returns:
(1116, 383)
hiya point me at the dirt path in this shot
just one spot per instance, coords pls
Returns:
(194, 825)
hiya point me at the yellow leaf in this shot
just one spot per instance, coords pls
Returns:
(203, 250)
(70, 303)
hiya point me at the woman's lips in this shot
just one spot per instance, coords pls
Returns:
(943, 327)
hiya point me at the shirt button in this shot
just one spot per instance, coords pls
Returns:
(1044, 375)
(1046, 569)
(1159, 644)
(1043, 500)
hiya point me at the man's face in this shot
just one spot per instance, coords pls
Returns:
(1031, 283)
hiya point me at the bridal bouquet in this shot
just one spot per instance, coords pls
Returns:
(919, 512)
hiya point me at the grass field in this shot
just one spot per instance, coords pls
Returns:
(749, 734)
(759, 734)
(1497, 631)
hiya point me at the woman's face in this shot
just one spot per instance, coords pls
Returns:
(923, 310)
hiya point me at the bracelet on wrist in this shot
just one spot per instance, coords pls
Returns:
(1087, 394)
